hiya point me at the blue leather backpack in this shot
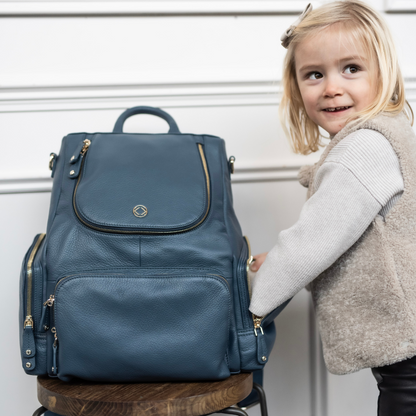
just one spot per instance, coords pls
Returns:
(142, 273)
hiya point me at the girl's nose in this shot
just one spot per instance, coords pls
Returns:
(332, 88)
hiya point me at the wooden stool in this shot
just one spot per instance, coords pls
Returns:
(84, 398)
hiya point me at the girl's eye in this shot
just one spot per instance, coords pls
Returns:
(315, 75)
(351, 69)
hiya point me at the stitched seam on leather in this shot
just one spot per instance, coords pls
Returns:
(139, 270)
(140, 251)
(172, 234)
(246, 332)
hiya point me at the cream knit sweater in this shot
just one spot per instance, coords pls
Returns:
(359, 180)
(365, 301)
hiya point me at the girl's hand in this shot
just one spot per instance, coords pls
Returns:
(259, 259)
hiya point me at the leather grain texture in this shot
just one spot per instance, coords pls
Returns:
(155, 323)
(153, 298)
(122, 171)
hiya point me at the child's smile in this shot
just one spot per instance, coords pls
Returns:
(333, 75)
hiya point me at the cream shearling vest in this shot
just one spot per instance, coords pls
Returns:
(365, 302)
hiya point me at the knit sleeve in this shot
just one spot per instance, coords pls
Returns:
(350, 192)
(371, 158)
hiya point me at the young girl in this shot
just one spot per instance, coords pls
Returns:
(355, 240)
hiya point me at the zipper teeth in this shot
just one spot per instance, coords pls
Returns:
(59, 281)
(72, 275)
(257, 320)
(30, 274)
(108, 230)
(54, 301)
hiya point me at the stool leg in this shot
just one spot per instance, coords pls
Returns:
(233, 411)
(40, 411)
(262, 396)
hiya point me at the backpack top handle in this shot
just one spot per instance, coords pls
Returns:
(118, 127)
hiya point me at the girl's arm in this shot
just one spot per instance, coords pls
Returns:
(353, 185)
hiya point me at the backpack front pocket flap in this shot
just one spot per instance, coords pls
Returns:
(130, 329)
(141, 183)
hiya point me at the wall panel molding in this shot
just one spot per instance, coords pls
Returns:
(243, 174)
(400, 6)
(113, 96)
(151, 8)
(167, 96)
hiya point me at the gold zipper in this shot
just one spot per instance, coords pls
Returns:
(256, 319)
(50, 301)
(257, 323)
(84, 149)
(221, 277)
(29, 319)
(204, 164)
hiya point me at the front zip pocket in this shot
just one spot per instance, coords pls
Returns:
(148, 196)
(132, 328)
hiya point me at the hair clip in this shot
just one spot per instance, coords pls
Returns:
(285, 38)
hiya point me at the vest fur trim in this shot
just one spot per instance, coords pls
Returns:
(365, 302)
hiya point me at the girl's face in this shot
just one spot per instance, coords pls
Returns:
(333, 77)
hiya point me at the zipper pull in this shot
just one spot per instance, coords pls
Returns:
(28, 345)
(42, 323)
(250, 260)
(262, 352)
(257, 324)
(28, 322)
(50, 301)
(84, 149)
(80, 151)
(76, 160)
(55, 352)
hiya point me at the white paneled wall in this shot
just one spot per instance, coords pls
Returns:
(215, 66)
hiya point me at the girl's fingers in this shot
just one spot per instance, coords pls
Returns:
(258, 260)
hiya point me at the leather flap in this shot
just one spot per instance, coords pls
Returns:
(143, 183)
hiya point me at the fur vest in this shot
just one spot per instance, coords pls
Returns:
(365, 302)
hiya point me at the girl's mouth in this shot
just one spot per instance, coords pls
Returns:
(336, 109)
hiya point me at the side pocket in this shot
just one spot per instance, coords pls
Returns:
(255, 343)
(243, 288)
(251, 352)
(257, 335)
(32, 334)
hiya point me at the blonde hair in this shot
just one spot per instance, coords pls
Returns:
(367, 27)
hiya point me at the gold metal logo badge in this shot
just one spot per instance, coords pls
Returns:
(140, 211)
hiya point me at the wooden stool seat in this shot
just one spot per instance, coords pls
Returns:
(84, 398)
